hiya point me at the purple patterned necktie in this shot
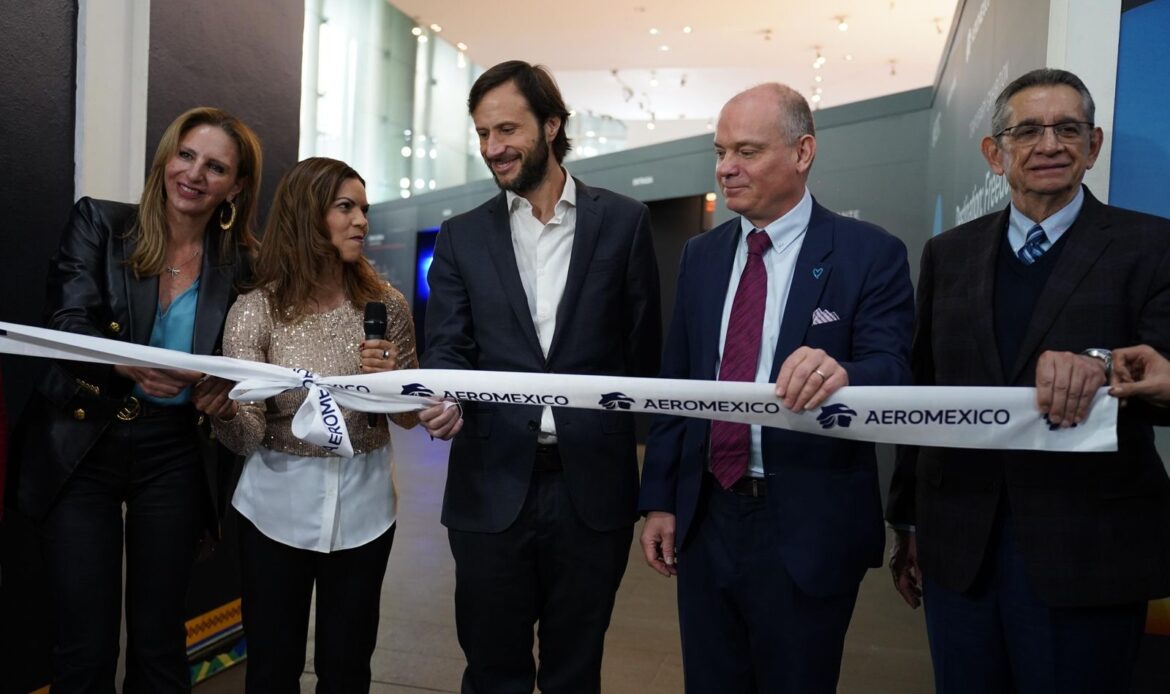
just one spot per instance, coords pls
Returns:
(731, 441)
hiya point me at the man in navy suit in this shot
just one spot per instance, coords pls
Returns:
(770, 548)
(1035, 568)
(554, 276)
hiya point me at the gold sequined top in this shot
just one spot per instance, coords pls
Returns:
(324, 343)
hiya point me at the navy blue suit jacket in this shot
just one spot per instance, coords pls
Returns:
(823, 492)
(608, 322)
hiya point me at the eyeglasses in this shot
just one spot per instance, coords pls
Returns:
(1069, 132)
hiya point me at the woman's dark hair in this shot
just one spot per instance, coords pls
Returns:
(297, 250)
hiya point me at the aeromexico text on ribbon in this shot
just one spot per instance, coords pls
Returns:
(956, 417)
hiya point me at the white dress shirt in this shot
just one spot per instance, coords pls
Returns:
(787, 234)
(543, 252)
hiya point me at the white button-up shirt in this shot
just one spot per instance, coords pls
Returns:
(787, 234)
(296, 500)
(543, 252)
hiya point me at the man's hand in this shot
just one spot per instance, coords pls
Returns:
(1141, 372)
(159, 383)
(442, 420)
(210, 396)
(1065, 386)
(658, 543)
(904, 567)
(807, 377)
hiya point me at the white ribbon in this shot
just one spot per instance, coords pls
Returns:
(956, 417)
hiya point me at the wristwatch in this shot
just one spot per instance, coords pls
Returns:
(1104, 356)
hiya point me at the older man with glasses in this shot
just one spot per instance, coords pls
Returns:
(1035, 568)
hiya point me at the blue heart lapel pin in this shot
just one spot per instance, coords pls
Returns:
(818, 271)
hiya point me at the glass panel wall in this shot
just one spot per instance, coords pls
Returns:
(389, 97)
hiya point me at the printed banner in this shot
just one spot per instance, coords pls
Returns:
(955, 417)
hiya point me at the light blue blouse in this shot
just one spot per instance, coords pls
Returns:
(174, 329)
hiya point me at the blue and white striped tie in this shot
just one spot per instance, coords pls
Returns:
(1034, 246)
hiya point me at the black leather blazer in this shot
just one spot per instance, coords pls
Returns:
(92, 290)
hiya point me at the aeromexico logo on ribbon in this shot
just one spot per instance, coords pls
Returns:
(841, 415)
(418, 390)
(615, 401)
(725, 406)
(838, 414)
(504, 397)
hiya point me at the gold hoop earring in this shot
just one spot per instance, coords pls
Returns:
(231, 220)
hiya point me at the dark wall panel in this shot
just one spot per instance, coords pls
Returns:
(243, 56)
(37, 50)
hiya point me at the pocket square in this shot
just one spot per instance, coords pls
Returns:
(821, 316)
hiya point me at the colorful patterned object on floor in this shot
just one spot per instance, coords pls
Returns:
(215, 641)
(220, 662)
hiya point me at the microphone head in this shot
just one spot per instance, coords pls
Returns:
(374, 321)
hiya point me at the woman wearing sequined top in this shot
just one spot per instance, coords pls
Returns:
(306, 516)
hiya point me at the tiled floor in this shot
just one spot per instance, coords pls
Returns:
(885, 651)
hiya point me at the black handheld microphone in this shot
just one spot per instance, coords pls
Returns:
(374, 323)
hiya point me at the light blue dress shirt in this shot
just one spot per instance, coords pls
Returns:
(1054, 227)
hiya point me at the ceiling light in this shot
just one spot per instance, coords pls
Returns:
(664, 48)
(419, 183)
(603, 139)
(842, 25)
(653, 80)
(460, 60)
(405, 194)
(431, 184)
(590, 133)
(406, 151)
(818, 78)
(436, 28)
(404, 183)
(819, 62)
(650, 125)
(653, 32)
(461, 46)
(422, 38)
(818, 90)
(687, 30)
(848, 57)
(816, 98)
(710, 125)
(416, 31)
(710, 197)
